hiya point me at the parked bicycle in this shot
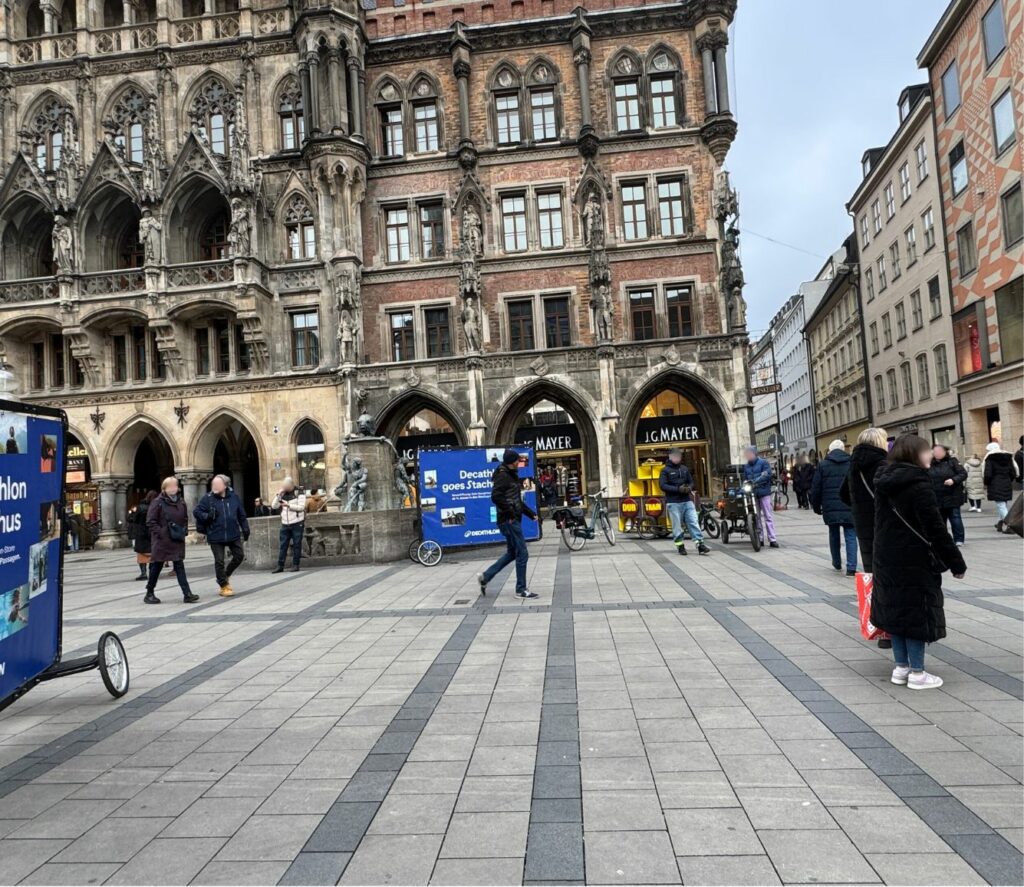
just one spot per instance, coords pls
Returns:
(707, 521)
(576, 529)
(780, 498)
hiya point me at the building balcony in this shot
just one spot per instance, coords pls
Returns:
(32, 289)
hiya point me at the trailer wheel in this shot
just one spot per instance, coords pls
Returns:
(113, 663)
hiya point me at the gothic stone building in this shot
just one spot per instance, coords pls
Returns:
(229, 229)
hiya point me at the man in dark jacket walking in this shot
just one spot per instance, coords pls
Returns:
(948, 478)
(221, 518)
(507, 496)
(676, 483)
(803, 476)
(826, 501)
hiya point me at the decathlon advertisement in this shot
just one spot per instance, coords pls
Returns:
(455, 494)
(31, 509)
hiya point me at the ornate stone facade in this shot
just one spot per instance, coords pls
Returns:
(279, 217)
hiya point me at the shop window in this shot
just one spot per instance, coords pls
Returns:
(969, 344)
(310, 457)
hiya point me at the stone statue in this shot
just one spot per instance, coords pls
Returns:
(593, 220)
(472, 230)
(469, 272)
(354, 482)
(601, 303)
(726, 202)
(471, 326)
(402, 483)
(240, 233)
(63, 245)
(732, 270)
(347, 336)
(365, 425)
(149, 235)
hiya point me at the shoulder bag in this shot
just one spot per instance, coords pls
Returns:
(175, 531)
(936, 565)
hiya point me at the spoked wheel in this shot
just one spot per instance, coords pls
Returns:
(781, 500)
(711, 528)
(573, 538)
(113, 663)
(429, 553)
(414, 548)
(754, 529)
(647, 528)
(607, 528)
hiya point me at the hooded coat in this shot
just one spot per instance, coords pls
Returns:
(858, 491)
(828, 479)
(803, 476)
(975, 479)
(161, 510)
(1000, 472)
(945, 469)
(907, 597)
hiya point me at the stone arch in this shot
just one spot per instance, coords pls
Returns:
(496, 78)
(700, 391)
(204, 439)
(86, 442)
(26, 238)
(210, 94)
(567, 396)
(382, 92)
(625, 63)
(542, 70)
(653, 65)
(119, 456)
(403, 407)
(225, 442)
(197, 221)
(103, 318)
(108, 229)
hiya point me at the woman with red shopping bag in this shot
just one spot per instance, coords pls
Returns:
(911, 551)
(858, 491)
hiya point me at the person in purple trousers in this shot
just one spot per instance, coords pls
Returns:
(759, 473)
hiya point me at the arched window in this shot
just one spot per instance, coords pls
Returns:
(35, 21)
(664, 92)
(289, 111)
(625, 83)
(213, 242)
(48, 129)
(213, 113)
(425, 115)
(309, 455)
(127, 121)
(113, 13)
(506, 98)
(542, 90)
(298, 224)
(389, 111)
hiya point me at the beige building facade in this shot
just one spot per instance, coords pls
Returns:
(903, 282)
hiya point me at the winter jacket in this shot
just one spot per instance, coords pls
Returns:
(221, 518)
(828, 480)
(139, 533)
(907, 597)
(506, 494)
(975, 479)
(292, 507)
(948, 469)
(1018, 461)
(161, 511)
(803, 477)
(759, 473)
(676, 483)
(1000, 473)
(858, 491)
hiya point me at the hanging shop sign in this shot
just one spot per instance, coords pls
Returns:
(409, 443)
(549, 438)
(669, 430)
(77, 470)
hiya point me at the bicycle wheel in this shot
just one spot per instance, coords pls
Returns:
(754, 529)
(711, 528)
(429, 553)
(607, 528)
(781, 499)
(647, 528)
(414, 547)
(573, 538)
(113, 662)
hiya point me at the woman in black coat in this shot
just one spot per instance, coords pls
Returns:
(948, 478)
(803, 477)
(139, 534)
(1000, 473)
(166, 509)
(911, 550)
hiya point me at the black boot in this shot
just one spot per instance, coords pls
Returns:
(142, 573)
(681, 549)
(278, 569)
(150, 598)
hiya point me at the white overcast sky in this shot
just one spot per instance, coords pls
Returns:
(815, 83)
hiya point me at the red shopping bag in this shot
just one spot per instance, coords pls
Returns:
(864, 587)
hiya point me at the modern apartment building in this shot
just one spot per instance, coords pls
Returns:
(973, 58)
(903, 282)
(229, 228)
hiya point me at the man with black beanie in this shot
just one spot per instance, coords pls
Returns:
(507, 496)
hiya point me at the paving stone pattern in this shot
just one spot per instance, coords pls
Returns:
(650, 719)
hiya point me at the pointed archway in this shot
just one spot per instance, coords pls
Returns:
(225, 444)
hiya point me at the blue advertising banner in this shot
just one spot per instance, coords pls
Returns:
(31, 505)
(455, 494)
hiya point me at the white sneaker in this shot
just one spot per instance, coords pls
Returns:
(924, 681)
(900, 674)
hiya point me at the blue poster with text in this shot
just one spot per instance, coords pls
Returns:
(455, 494)
(31, 480)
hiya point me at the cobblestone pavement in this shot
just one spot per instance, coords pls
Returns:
(649, 720)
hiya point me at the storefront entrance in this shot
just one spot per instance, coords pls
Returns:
(426, 429)
(668, 420)
(82, 495)
(558, 449)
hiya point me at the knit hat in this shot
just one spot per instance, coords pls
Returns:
(750, 448)
(837, 444)
(993, 447)
(510, 457)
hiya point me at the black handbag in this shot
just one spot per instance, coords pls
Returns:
(175, 531)
(936, 565)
